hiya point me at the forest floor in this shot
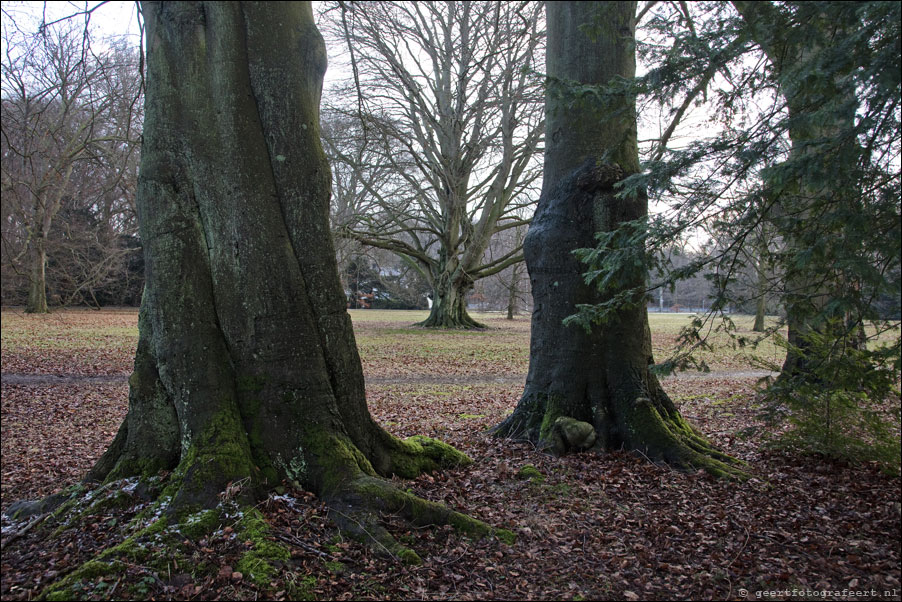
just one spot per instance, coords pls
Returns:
(593, 527)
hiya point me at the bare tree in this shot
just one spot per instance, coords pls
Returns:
(68, 135)
(360, 177)
(448, 102)
(509, 289)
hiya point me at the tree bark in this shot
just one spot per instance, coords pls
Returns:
(513, 292)
(599, 378)
(761, 273)
(449, 302)
(37, 277)
(760, 309)
(247, 369)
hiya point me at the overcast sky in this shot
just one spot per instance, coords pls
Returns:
(113, 19)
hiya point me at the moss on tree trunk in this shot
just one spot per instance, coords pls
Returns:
(599, 378)
(247, 369)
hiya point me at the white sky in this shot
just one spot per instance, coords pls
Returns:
(113, 19)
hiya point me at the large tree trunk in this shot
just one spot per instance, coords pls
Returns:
(247, 369)
(592, 390)
(37, 277)
(449, 301)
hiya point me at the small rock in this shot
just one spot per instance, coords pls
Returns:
(570, 434)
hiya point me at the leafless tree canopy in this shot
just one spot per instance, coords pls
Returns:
(71, 118)
(435, 139)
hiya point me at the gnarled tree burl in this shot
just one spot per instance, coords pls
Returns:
(592, 390)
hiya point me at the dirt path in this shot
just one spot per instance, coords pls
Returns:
(8, 378)
(478, 379)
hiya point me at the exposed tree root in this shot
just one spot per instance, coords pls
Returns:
(358, 505)
(455, 317)
(446, 322)
(357, 511)
(411, 457)
(656, 431)
(153, 528)
(673, 440)
(216, 483)
(23, 530)
(358, 500)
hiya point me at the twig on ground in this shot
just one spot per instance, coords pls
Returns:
(16, 535)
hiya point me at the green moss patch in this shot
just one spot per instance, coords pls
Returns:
(530, 473)
(194, 526)
(262, 561)
(471, 416)
(418, 454)
(301, 588)
(334, 566)
(505, 536)
(75, 583)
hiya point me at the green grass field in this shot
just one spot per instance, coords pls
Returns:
(388, 341)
